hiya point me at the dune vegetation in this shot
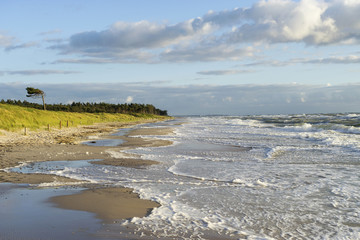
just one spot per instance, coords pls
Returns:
(13, 118)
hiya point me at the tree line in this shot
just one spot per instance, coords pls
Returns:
(92, 107)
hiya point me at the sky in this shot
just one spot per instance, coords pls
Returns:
(233, 57)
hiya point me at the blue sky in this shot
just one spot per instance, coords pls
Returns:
(189, 57)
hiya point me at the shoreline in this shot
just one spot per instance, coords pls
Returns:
(65, 144)
(37, 148)
(125, 204)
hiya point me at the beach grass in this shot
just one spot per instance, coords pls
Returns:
(13, 118)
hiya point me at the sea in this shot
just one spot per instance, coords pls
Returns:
(242, 177)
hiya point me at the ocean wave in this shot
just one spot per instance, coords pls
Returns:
(60, 184)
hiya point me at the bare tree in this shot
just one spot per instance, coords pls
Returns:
(36, 93)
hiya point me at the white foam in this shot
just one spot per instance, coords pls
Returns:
(93, 137)
(21, 165)
(59, 183)
(120, 154)
(237, 180)
(304, 174)
(305, 127)
(274, 152)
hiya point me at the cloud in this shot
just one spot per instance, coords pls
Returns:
(176, 54)
(141, 34)
(206, 53)
(227, 99)
(55, 31)
(129, 99)
(129, 42)
(312, 22)
(55, 40)
(352, 59)
(129, 56)
(272, 63)
(20, 46)
(219, 36)
(6, 40)
(224, 72)
(206, 99)
(36, 72)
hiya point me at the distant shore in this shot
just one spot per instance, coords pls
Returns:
(65, 144)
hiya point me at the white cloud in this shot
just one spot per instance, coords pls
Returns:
(227, 99)
(351, 59)
(219, 36)
(313, 22)
(24, 45)
(224, 72)
(111, 56)
(6, 40)
(36, 72)
(143, 34)
(129, 99)
(54, 31)
(206, 53)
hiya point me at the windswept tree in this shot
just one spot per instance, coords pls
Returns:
(36, 93)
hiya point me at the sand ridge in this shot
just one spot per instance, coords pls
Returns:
(108, 204)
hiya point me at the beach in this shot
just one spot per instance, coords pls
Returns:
(207, 177)
(107, 203)
(65, 145)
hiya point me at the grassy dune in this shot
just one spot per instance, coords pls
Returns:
(13, 118)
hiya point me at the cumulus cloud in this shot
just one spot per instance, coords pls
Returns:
(218, 36)
(277, 21)
(141, 34)
(127, 42)
(313, 22)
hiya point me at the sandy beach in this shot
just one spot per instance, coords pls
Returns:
(106, 202)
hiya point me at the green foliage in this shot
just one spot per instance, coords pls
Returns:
(13, 118)
(36, 93)
(94, 107)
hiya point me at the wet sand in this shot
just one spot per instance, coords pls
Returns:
(106, 202)
(122, 203)
(45, 146)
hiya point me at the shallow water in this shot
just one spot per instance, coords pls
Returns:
(255, 177)
(26, 214)
(105, 142)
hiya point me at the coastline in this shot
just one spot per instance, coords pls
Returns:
(65, 145)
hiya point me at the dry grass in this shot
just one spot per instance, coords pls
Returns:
(13, 118)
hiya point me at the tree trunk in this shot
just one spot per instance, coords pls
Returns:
(43, 99)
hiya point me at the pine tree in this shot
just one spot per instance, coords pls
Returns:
(36, 93)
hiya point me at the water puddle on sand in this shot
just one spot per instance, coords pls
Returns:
(26, 214)
(104, 142)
